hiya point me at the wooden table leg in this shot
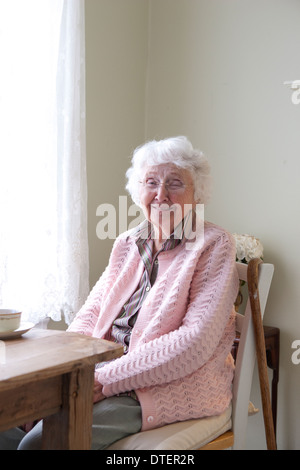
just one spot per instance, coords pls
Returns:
(71, 427)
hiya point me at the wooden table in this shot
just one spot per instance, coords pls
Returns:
(50, 374)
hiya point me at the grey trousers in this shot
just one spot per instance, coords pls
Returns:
(113, 418)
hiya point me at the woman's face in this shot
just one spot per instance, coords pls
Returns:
(166, 196)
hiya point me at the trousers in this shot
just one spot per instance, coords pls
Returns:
(113, 418)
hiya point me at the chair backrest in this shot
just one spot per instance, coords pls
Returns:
(246, 354)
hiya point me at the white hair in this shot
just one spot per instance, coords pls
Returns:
(176, 150)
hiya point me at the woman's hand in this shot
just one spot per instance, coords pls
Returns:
(98, 395)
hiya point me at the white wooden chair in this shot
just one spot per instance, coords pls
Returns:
(229, 429)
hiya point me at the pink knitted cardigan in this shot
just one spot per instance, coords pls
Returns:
(179, 360)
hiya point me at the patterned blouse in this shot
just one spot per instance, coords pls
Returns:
(122, 326)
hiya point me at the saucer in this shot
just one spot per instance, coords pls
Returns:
(23, 328)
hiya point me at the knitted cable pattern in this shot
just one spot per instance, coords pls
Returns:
(178, 361)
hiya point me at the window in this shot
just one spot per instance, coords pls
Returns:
(43, 229)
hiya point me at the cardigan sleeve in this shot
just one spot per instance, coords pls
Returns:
(174, 355)
(87, 317)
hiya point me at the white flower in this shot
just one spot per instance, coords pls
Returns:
(247, 247)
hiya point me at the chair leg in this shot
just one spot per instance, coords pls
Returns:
(261, 353)
(272, 340)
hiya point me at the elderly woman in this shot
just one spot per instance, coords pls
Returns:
(167, 295)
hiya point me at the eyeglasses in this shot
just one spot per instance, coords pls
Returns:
(171, 186)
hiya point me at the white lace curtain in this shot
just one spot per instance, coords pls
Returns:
(43, 228)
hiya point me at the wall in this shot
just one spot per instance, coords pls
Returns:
(213, 71)
(116, 65)
(216, 73)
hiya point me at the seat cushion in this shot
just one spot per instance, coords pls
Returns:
(186, 435)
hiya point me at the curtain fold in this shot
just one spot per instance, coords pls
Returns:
(43, 189)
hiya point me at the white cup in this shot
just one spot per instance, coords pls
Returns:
(9, 319)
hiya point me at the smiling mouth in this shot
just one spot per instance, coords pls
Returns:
(163, 207)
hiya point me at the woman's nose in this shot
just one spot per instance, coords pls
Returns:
(162, 193)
